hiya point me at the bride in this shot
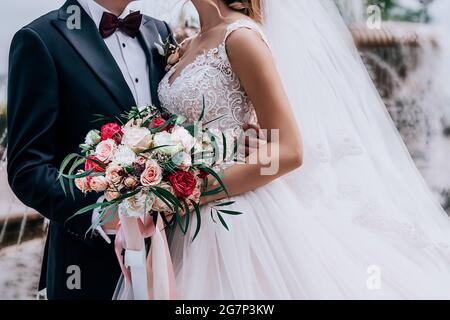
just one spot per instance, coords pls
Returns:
(356, 221)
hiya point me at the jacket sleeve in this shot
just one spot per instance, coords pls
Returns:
(33, 112)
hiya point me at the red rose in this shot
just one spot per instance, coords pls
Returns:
(111, 131)
(184, 183)
(202, 174)
(158, 122)
(88, 165)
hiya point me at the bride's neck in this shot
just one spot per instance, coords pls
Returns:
(114, 6)
(211, 12)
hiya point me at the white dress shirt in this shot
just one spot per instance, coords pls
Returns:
(127, 52)
(132, 62)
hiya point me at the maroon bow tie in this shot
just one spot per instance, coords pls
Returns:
(129, 25)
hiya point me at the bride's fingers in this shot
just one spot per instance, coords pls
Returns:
(252, 144)
(254, 128)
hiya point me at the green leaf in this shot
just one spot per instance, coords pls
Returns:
(224, 142)
(199, 219)
(213, 120)
(66, 162)
(212, 192)
(169, 121)
(188, 215)
(231, 213)
(222, 220)
(170, 197)
(202, 114)
(180, 222)
(111, 216)
(163, 199)
(155, 148)
(225, 204)
(85, 174)
(100, 164)
(218, 179)
(104, 204)
(212, 216)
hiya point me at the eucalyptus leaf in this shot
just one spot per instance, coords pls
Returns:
(222, 220)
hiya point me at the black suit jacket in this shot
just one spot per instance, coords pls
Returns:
(59, 78)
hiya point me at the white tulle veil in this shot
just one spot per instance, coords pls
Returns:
(354, 156)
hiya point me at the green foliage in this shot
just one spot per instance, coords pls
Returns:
(394, 10)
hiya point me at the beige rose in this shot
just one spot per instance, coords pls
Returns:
(114, 174)
(161, 206)
(137, 139)
(131, 182)
(111, 194)
(152, 174)
(83, 184)
(138, 205)
(99, 184)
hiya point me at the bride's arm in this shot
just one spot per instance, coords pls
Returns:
(252, 60)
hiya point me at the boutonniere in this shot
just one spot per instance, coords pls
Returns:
(168, 48)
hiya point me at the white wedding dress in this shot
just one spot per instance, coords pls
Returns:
(355, 222)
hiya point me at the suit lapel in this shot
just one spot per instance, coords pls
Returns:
(92, 48)
(147, 37)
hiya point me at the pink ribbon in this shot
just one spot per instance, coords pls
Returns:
(131, 233)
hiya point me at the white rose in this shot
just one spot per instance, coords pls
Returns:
(124, 156)
(137, 138)
(106, 150)
(93, 137)
(184, 137)
(182, 160)
(166, 139)
(138, 205)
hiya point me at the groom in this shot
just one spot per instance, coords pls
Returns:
(89, 57)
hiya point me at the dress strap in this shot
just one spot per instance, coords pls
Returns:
(248, 24)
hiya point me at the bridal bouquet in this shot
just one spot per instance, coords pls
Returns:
(149, 165)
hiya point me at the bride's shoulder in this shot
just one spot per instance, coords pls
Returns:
(245, 37)
(245, 32)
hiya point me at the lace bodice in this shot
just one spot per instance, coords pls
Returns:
(211, 76)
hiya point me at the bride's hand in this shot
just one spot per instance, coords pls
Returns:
(253, 143)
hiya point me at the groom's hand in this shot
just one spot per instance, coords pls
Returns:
(175, 57)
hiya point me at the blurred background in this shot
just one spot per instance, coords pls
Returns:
(407, 55)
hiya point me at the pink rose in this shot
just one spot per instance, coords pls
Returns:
(83, 184)
(141, 160)
(115, 175)
(106, 150)
(152, 174)
(195, 196)
(98, 184)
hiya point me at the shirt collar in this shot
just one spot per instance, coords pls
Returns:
(95, 11)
